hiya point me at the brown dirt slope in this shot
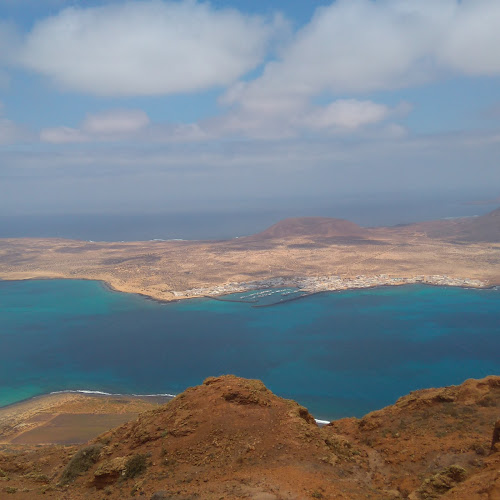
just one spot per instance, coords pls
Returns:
(232, 438)
(485, 228)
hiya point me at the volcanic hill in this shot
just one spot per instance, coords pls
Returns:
(312, 226)
(484, 228)
(232, 438)
(468, 229)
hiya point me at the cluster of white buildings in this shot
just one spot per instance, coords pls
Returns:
(328, 283)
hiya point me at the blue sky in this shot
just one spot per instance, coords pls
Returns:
(160, 105)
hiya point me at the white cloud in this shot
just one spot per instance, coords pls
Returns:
(359, 46)
(281, 119)
(115, 122)
(347, 114)
(473, 41)
(271, 123)
(349, 48)
(123, 125)
(62, 135)
(146, 48)
(108, 125)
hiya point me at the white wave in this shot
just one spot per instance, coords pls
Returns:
(322, 422)
(85, 391)
(88, 391)
(171, 239)
(152, 395)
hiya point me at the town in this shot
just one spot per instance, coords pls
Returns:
(329, 283)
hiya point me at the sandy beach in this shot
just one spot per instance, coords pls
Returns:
(69, 418)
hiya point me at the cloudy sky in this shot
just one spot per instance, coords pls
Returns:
(155, 105)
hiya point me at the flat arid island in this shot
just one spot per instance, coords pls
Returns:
(312, 253)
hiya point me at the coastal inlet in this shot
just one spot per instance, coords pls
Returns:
(338, 353)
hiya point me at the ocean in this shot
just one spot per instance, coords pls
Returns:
(227, 224)
(340, 353)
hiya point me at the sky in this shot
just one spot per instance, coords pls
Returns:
(161, 106)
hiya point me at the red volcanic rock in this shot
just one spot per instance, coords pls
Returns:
(232, 438)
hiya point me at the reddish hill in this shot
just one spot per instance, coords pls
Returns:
(313, 227)
(232, 438)
(483, 228)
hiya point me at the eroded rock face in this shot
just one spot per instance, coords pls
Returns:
(232, 438)
(109, 471)
(440, 483)
(495, 443)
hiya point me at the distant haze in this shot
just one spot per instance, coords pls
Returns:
(224, 224)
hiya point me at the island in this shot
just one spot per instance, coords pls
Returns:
(311, 254)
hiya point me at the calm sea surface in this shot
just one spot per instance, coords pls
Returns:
(222, 225)
(340, 354)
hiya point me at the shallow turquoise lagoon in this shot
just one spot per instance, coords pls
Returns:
(340, 354)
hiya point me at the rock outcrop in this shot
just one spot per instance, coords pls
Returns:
(233, 438)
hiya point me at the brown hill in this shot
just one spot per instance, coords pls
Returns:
(323, 227)
(232, 438)
(485, 228)
(469, 229)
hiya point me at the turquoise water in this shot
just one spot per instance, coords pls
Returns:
(339, 354)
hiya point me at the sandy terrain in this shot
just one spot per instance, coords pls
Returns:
(69, 418)
(176, 269)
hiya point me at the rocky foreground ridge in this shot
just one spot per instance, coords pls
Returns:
(233, 438)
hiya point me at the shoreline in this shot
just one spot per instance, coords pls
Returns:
(83, 393)
(311, 294)
(219, 297)
(40, 403)
(243, 288)
(23, 411)
(69, 417)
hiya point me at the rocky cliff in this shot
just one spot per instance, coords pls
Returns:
(233, 438)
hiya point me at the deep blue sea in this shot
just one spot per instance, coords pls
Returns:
(339, 354)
